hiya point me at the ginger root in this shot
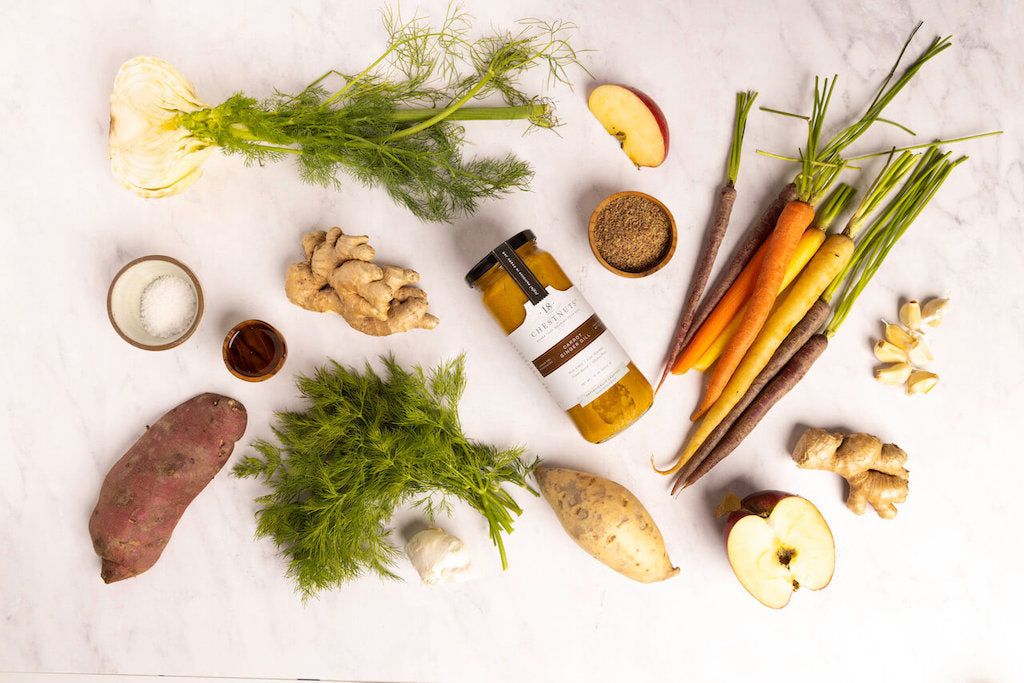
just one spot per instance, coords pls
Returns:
(338, 276)
(874, 470)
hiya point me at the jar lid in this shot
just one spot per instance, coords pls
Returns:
(489, 261)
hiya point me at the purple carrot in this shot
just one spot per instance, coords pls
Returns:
(715, 233)
(811, 323)
(779, 386)
(723, 209)
(756, 234)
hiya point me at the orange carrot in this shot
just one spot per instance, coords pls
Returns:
(781, 245)
(727, 307)
(813, 237)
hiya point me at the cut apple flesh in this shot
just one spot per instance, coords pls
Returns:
(789, 549)
(634, 119)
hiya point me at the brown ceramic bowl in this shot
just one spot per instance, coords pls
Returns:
(124, 301)
(254, 350)
(659, 262)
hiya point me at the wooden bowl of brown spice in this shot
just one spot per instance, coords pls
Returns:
(632, 234)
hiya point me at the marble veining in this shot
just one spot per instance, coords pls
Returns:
(931, 596)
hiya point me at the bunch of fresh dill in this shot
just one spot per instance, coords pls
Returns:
(392, 125)
(366, 445)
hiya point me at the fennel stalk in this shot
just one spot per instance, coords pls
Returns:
(395, 125)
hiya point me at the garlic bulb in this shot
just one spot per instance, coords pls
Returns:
(438, 556)
(150, 154)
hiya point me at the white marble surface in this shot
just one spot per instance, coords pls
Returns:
(932, 596)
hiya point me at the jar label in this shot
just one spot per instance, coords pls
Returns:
(568, 346)
(520, 272)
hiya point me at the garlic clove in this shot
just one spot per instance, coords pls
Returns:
(887, 352)
(894, 374)
(438, 556)
(899, 336)
(910, 315)
(934, 311)
(921, 382)
(920, 354)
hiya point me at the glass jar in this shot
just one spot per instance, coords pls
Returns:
(553, 327)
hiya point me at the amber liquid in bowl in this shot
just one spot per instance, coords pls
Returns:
(254, 350)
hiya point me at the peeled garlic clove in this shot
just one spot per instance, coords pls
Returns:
(438, 556)
(921, 382)
(887, 352)
(910, 315)
(899, 336)
(920, 354)
(934, 311)
(893, 375)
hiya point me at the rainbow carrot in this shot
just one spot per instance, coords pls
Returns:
(723, 209)
(795, 218)
(812, 238)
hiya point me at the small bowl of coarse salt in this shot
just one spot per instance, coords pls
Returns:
(155, 303)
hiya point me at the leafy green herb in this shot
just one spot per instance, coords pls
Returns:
(366, 445)
(391, 125)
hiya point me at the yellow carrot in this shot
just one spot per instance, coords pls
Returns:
(781, 246)
(738, 292)
(805, 249)
(830, 258)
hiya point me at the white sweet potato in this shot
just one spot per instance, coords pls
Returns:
(147, 490)
(607, 521)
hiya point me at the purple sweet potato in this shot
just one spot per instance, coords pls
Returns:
(147, 490)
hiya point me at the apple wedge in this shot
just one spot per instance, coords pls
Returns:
(777, 543)
(633, 118)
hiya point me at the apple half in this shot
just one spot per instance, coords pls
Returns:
(633, 118)
(777, 543)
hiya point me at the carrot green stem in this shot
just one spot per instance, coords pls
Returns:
(884, 183)
(817, 171)
(833, 205)
(813, 183)
(891, 174)
(744, 101)
(885, 94)
(927, 144)
(931, 171)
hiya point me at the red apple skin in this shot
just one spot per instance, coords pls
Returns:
(760, 503)
(659, 116)
(656, 112)
(763, 502)
(731, 520)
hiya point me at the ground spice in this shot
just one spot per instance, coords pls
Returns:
(632, 233)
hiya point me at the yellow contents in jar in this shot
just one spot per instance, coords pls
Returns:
(615, 408)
